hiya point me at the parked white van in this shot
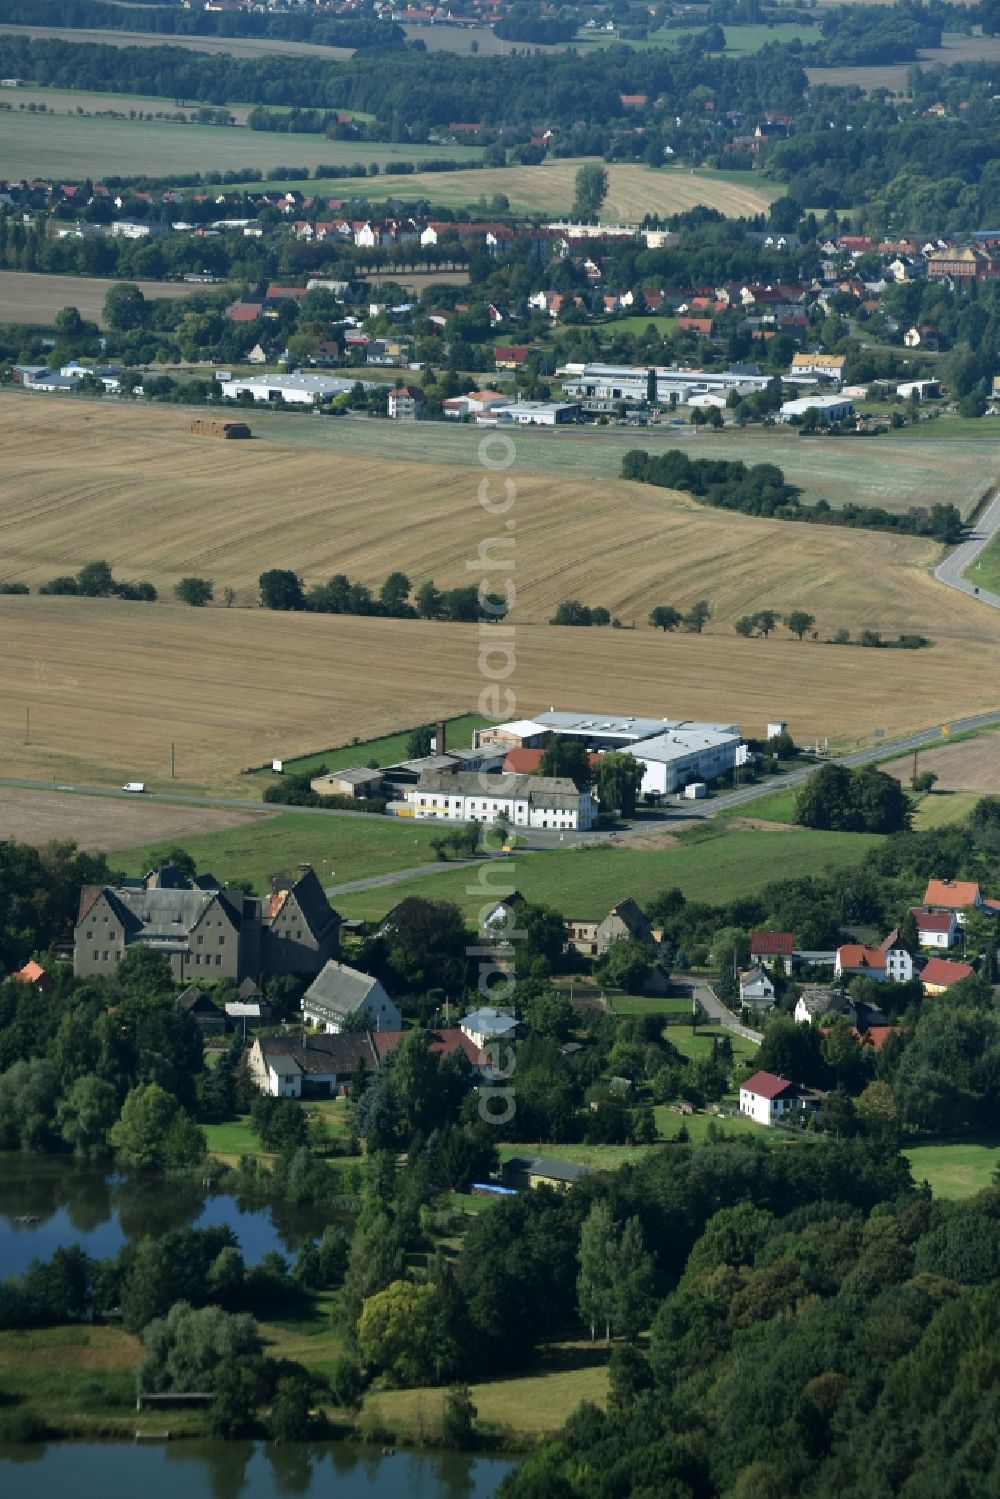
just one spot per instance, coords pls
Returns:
(134, 786)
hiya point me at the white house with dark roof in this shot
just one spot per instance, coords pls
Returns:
(936, 928)
(528, 801)
(769, 1099)
(338, 993)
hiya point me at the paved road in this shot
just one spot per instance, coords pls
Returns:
(713, 1007)
(951, 569)
(884, 749)
(398, 876)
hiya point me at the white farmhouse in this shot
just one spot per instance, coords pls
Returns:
(338, 993)
(769, 1099)
(528, 801)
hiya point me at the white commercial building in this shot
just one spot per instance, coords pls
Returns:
(601, 387)
(688, 752)
(533, 414)
(833, 408)
(294, 390)
(674, 751)
(527, 801)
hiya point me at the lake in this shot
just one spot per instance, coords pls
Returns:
(243, 1470)
(100, 1210)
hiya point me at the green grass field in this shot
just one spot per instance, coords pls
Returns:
(669, 1124)
(234, 1138)
(588, 882)
(940, 808)
(638, 1004)
(385, 751)
(955, 1169)
(531, 1405)
(741, 41)
(985, 571)
(79, 1379)
(638, 323)
(700, 1043)
(779, 806)
(340, 849)
(70, 147)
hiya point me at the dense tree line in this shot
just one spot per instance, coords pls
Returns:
(761, 490)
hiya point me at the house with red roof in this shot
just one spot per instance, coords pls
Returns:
(33, 973)
(769, 1099)
(935, 928)
(938, 974)
(891, 962)
(766, 946)
(952, 895)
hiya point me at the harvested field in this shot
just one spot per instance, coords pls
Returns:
(954, 49)
(30, 297)
(895, 472)
(100, 822)
(70, 148)
(68, 494)
(633, 190)
(111, 684)
(970, 765)
(242, 46)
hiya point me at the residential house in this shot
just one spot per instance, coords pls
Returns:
(510, 356)
(34, 974)
(524, 1172)
(816, 1000)
(757, 989)
(340, 993)
(474, 403)
(486, 1026)
(247, 1014)
(501, 920)
(210, 1020)
(766, 947)
(935, 928)
(310, 1066)
(769, 1099)
(593, 938)
(938, 975)
(301, 928)
(823, 366)
(406, 403)
(954, 895)
(890, 962)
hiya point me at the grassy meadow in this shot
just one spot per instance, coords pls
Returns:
(587, 882)
(340, 849)
(985, 571)
(387, 750)
(955, 1168)
(70, 147)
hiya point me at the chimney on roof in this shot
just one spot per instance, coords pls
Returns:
(440, 737)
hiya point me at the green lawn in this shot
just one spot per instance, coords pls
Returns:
(669, 1124)
(638, 323)
(640, 1004)
(601, 1157)
(340, 849)
(532, 1404)
(587, 882)
(236, 1137)
(311, 1336)
(939, 808)
(779, 806)
(985, 571)
(955, 1169)
(699, 1043)
(388, 750)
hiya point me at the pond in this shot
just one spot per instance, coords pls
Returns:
(244, 1470)
(61, 1202)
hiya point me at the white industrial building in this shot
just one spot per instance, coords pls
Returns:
(834, 408)
(294, 390)
(532, 414)
(474, 796)
(601, 387)
(674, 751)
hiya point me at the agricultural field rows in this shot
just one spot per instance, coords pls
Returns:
(68, 147)
(243, 46)
(31, 297)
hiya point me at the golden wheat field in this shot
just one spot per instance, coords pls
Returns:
(82, 480)
(112, 685)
